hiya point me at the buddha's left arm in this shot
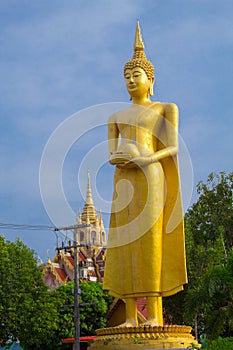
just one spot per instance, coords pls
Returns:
(171, 116)
(113, 137)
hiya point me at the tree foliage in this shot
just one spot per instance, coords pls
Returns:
(206, 302)
(28, 310)
(40, 318)
(211, 217)
(93, 316)
(219, 344)
(94, 303)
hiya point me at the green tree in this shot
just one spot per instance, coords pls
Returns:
(94, 303)
(93, 316)
(40, 318)
(208, 229)
(219, 298)
(219, 344)
(209, 240)
(28, 310)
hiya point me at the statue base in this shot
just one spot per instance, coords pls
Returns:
(144, 337)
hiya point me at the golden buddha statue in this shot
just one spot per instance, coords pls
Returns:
(146, 254)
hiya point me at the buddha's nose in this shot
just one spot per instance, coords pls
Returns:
(131, 80)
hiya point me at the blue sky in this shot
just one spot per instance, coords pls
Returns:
(60, 57)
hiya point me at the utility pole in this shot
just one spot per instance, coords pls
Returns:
(76, 294)
(76, 247)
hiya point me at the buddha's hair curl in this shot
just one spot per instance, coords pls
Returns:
(147, 66)
(139, 60)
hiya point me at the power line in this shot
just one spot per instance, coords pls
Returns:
(40, 227)
(26, 227)
(56, 230)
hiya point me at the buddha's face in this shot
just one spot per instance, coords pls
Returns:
(137, 82)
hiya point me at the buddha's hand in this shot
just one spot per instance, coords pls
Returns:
(113, 160)
(140, 162)
(119, 158)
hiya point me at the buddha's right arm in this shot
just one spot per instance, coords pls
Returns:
(113, 137)
(171, 115)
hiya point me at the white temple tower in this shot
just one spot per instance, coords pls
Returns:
(93, 235)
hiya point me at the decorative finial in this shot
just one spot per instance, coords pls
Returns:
(89, 199)
(40, 260)
(78, 218)
(89, 212)
(138, 43)
(139, 58)
(48, 261)
(101, 220)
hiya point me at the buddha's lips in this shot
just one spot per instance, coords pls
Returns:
(130, 87)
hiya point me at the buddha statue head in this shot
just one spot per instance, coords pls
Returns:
(139, 59)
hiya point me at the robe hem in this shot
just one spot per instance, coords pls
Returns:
(147, 294)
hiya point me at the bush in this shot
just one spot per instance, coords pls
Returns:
(219, 344)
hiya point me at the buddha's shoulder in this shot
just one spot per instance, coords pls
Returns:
(159, 107)
(119, 115)
(165, 106)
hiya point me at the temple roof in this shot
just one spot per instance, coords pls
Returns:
(91, 253)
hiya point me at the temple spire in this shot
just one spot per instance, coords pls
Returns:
(89, 199)
(101, 220)
(89, 213)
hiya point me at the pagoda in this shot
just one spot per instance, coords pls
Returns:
(91, 257)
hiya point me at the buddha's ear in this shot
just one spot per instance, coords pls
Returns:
(151, 92)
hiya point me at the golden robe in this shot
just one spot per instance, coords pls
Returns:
(146, 254)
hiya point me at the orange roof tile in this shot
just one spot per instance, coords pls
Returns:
(61, 273)
(70, 259)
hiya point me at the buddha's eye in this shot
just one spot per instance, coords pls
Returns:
(137, 74)
(127, 76)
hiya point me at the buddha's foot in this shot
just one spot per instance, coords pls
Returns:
(127, 324)
(152, 323)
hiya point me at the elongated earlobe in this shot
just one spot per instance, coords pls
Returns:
(151, 92)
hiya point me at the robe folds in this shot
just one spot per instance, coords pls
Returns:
(146, 252)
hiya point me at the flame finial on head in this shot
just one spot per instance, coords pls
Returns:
(139, 58)
(138, 43)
